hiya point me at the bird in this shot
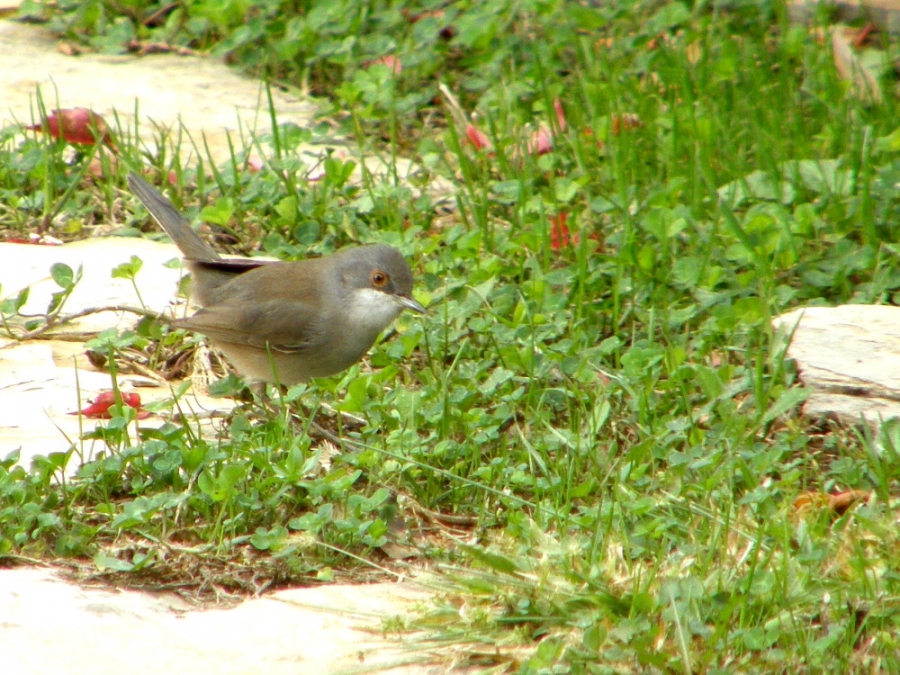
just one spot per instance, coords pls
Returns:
(285, 322)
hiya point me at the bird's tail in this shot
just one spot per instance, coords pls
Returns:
(179, 230)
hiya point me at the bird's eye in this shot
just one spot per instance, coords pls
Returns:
(379, 279)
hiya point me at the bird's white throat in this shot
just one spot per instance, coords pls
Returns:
(373, 309)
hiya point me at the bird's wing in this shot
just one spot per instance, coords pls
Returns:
(286, 326)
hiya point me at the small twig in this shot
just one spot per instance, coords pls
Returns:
(54, 321)
(147, 372)
(443, 518)
(860, 40)
(158, 14)
(147, 48)
(456, 111)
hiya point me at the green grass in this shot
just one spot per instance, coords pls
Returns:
(614, 414)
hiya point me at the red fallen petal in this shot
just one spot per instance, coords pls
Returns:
(96, 411)
(541, 141)
(478, 138)
(625, 122)
(560, 114)
(587, 131)
(99, 408)
(35, 239)
(132, 399)
(79, 126)
(559, 232)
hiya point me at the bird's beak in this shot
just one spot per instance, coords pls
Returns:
(410, 304)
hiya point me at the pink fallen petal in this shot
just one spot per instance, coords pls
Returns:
(478, 138)
(389, 60)
(541, 141)
(560, 114)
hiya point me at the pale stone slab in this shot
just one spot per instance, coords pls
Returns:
(39, 395)
(43, 381)
(24, 265)
(208, 98)
(850, 357)
(51, 626)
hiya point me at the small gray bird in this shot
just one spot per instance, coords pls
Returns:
(285, 322)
